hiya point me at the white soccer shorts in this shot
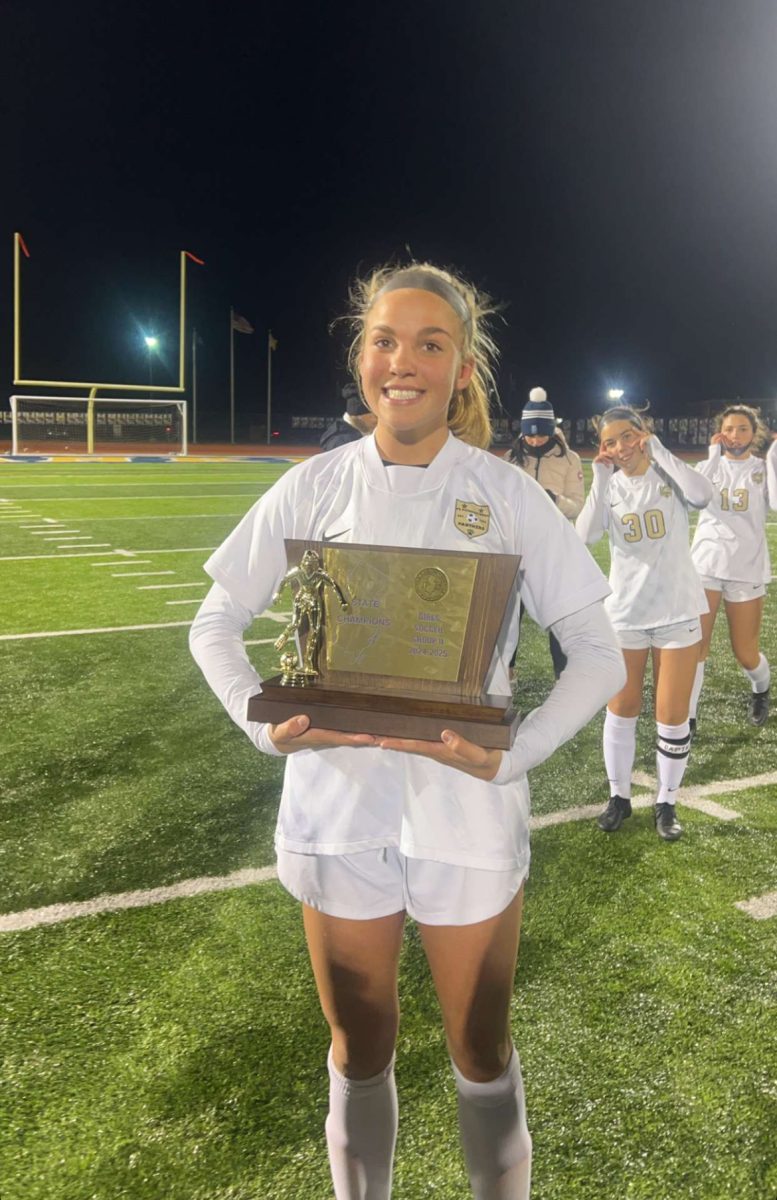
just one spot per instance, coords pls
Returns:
(734, 591)
(376, 883)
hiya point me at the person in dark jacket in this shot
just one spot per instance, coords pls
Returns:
(356, 421)
(541, 451)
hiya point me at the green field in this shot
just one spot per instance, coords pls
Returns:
(175, 1051)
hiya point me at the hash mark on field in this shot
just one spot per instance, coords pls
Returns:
(136, 562)
(760, 908)
(52, 914)
(134, 574)
(191, 600)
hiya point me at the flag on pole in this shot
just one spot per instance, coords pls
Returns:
(240, 324)
(271, 341)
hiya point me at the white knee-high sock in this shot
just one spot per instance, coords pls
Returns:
(361, 1131)
(698, 683)
(494, 1135)
(673, 743)
(760, 676)
(619, 742)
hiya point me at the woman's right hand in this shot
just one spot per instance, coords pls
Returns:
(604, 460)
(296, 734)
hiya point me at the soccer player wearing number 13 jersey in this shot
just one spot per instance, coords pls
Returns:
(729, 548)
(656, 601)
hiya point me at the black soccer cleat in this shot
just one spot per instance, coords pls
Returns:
(614, 814)
(759, 707)
(667, 825)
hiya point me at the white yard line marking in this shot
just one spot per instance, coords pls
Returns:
(156, 587)
(760, 908)
(259, 641)
(161, 517)
(52, 914)
(132, 574)
(52, 532)
(196, 493)
(87, 554)
(41, 557)
(48, 523)
(20, 637)
(192, 600)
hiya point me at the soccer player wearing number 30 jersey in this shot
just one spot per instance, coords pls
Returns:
(656, 601)
(729, 547)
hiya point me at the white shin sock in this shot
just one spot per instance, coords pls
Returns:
(361, 1131)
(760, 676)
(673, 743)
(494, 1135)
(620, 744)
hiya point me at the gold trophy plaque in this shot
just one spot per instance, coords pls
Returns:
(392, 641)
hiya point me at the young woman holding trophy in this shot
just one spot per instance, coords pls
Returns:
(373, 828)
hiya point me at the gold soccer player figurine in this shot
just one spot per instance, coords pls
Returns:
(307, 583)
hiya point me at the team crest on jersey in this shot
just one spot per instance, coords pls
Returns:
(472, 519)
(758, 477)
(665, 490)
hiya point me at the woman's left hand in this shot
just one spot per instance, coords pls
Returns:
(644, 439)
(452, 750)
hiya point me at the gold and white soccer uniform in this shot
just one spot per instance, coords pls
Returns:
(343, 801)
(729, 548)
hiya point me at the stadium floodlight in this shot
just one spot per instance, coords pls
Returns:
(92, 386)
(151, 341)
(615, 394)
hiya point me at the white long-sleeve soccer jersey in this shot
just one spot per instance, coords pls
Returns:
(652, 576)
(343, 800)
(730, 539)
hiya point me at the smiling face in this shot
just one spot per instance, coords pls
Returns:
(737, 433)
(621, 441)
(411, 366)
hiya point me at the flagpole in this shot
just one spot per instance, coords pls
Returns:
(269, 384)
(194, 384)
(231, 377)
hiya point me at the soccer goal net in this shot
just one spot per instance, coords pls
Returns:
(80, 425)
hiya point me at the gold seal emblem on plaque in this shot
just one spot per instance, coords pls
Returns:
(472, 519)
(431, 584)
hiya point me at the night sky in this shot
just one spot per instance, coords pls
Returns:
(605, 168)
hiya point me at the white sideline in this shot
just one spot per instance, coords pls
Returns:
(759, 907)
(19, 637)
(52, 914)
(48, 633)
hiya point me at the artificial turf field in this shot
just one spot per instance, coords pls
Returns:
(175, 1051)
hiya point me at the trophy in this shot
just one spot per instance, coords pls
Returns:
(391, 641)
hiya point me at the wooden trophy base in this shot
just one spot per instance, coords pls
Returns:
(488, 721)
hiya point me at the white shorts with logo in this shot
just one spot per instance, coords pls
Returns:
(735, 591)
(377, 883)
(663, 637)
